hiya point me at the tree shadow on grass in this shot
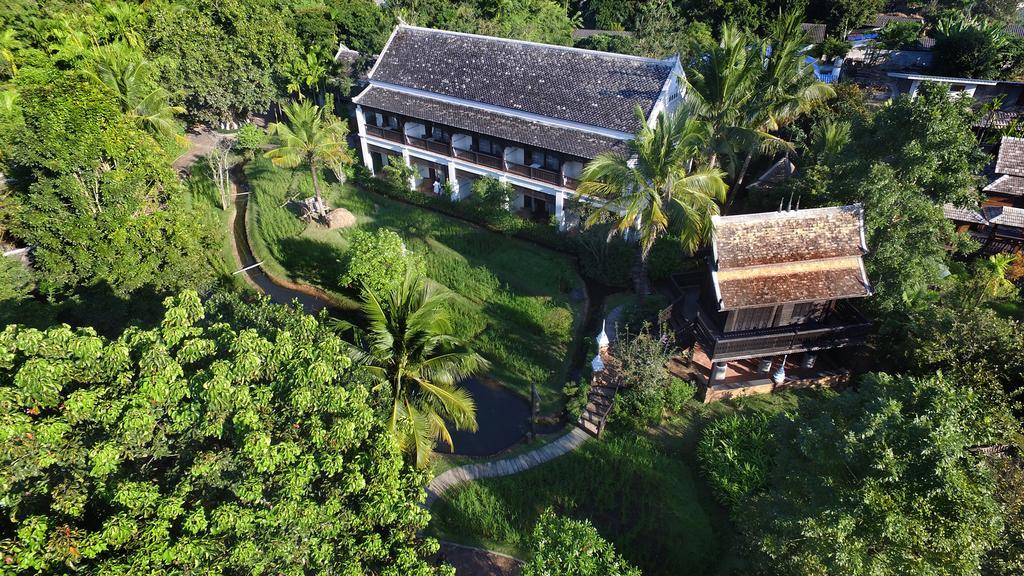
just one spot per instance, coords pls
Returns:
(97, 306)
(312, 262)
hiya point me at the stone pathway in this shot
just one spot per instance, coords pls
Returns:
(505, 467)
(477, 561)
(200, 144)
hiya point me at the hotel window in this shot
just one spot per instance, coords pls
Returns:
(488, 146)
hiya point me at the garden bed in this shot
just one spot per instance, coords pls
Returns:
(513, 303)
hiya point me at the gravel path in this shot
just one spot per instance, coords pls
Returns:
(505, 467)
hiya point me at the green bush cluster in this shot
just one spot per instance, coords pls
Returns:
(645, 382)
(570, 547)
(378, 261)
(735, 456)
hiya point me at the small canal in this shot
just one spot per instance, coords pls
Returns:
(503, 417)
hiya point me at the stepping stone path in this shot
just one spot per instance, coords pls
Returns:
(505, 467)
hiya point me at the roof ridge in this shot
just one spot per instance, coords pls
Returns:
(854, 209)
(670, 60)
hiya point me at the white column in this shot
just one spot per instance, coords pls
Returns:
(364, 148)
(559, 209)
(454, 179)
(408, 162)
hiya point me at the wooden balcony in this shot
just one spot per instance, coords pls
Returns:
(844, 327)
(549, 176)
(435, 146)
(385, 133)
(571, 183)
(480, 158)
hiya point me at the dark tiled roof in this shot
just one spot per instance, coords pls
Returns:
(1005, 216)
(792, 256)
(775, 174)
(584, 86)
(1015, 29)
(815, 32)
(1011, 156)
(1006, 184)
(999, 118)
(962, 214)
(565, 140)
(588, 32)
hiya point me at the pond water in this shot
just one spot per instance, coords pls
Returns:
(502, 417)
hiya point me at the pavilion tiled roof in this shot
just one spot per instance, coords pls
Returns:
(1005, 216)
(575, 142)
(789, 256)
(956, 214)
(1011, 156)
(583, 86)
(815, 32)
(1008, 185)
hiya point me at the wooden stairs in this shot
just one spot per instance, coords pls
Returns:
(603, 387)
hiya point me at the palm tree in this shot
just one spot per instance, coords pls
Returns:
(994, 280)
(655, 183)
(312, 136)
(748, 88)
(412, 349)
(129, 78)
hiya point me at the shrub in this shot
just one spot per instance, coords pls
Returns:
(678, 393)
(250, 139)
(735, 455)
(608, 261)
(568, 547)
(831, 48)
(576, 398)
(900, 35)
(378, 261)
(668, 257)
(398, 175)
(645, 381)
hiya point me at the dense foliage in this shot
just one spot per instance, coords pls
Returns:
(645, 383)
(736, 457)
(378, 261)
(195, 444)
(566, 547)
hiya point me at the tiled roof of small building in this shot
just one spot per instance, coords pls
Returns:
(566, 140)
(815, 32)
(954, 213)
(882, 19)
(1011, 156)
(789, 256)
(584, 86)
(1015, 29)
(1005, 216)
(1006, 184)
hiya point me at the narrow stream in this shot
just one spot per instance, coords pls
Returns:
(503, 417)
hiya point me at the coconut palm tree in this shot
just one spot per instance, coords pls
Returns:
(309, 136)
(411, 347)
(129, 77)
(748, 88)
(8, 44)
(655, 183)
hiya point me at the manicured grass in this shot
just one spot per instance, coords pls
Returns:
(644, 494)
(513, 302)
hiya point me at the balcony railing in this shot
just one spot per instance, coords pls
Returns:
(541, 174)
(495, 162)
(480, 158)
(385, 133)
(845, 326)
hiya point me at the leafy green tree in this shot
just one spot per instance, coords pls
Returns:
(1007, 558)
(361, 24)
(226, 58)
(842, 16)
(95, 194)
(883, 480)
(973, 48)
(566, 547)
(250, 138)
(311, 136)
(195, 445)
(900, 35)
(413, 350)
(655, 184)
(378, 261)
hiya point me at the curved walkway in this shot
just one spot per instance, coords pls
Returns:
(505, 467)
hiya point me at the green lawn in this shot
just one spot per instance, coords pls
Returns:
(201, 194)
(513, 300)
(645, 494)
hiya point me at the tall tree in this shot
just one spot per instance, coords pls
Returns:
(883, 480)
(413, 350)
(196, 446)
(655, 184)
(568, 547)
(311, 136)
